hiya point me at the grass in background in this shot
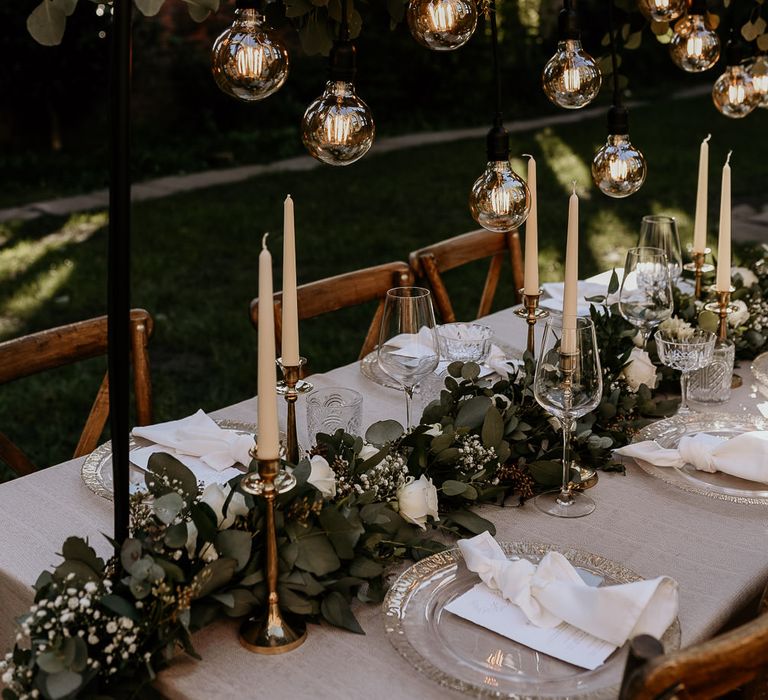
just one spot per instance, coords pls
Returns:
(195, 255)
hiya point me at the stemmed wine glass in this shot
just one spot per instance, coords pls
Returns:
(645, 297)
(686, 354)
(659, 231)
(408, 342)
(568, 384)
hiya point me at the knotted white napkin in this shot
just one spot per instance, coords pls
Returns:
(199, 436)
(421, 344)
(552, 592)
(745, 455)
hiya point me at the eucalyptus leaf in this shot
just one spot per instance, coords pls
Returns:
(383, 432)
(167, 507)
(335, 610)
(452, 487)
(471, 521)
(235, 544)
(77, 548)
(365, 568)
(470, 371)
(294, 602)
(493, 428)
(120, 606)
(317, 555)
(61, 684)
(149, 8)
(176, 536)
(342, 532)
(162, 466)
(214, 576)
(46, 23)
(472, 412)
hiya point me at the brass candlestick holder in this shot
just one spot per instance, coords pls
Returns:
(290, 387)
(270, 633)
(722, 307)
(699, 269)
(531, 312)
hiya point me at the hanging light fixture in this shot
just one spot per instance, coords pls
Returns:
(442, 25)
(338, 127)
(663, 10)
(734, 92)
(618, 168)
(758, 70)
(695, 46)
(499, 200)
(249, 62)
(571, 78)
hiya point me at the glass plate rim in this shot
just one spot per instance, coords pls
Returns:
(399, 593)
(90, 470)
(674, 478)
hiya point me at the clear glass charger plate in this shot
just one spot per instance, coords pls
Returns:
(759, 368)
(461, 655)
(669, 431)
(96, 471)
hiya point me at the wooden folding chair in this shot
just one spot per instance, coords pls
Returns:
(65, 345)
(429, 263)
(735, 659)
(340, 292)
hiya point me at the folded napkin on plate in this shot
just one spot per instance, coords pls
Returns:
(199, 436)
(419, 344)
(552, 592)
(745, 455)
(555, 293)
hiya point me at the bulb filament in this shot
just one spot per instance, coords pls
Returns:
(250, 61)
(619, 169)
(661, 4)
(695, 46)
(500, 200)
(736, 94)
(572, 79)
(761, 83)
(337, 128)
(441, 16)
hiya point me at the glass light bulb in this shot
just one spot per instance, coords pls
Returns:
(499, 199)
(571, 78)
(249, 62)
(338, 127)
(663, 10)
(695, 46)
(758, 69)
(442, 25)
(618, 168)
(734, 92)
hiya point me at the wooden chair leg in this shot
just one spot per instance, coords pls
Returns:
(14, 457)
(372, 337)
(516, 257)
(97, 419)
(142, 383)
(491, 282)
(439, 292)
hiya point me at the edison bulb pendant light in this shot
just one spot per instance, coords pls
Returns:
(499, 199)
(695, 46)
(618, 168)
(249, 62)
(663, 10)
(734, 92)
(758, 70)
(442, 25)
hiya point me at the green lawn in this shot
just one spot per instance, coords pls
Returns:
(195, 255)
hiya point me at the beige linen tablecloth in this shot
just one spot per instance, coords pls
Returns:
(717, 551)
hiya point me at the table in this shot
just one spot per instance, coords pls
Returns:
(716, 550)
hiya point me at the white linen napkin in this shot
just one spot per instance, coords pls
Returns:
(555, 292)
(199, 436)
(419, 344)
(552, 592)
(745, 455)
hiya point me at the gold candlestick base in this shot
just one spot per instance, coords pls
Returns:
(290, 387)
(722, 307)
(270, 633)
(699, 269)
(531, 312)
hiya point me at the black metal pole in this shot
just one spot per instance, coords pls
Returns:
(119, 262)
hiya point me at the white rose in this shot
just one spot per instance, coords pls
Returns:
(747, 276)
(417, 500)
(434, 430)
(191, 539)
(367, 451)
(322, 477)
(638, 339)
(741, 315)
(215, 495)
(639, 370)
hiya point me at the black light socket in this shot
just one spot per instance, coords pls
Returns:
(497, 143)
(698, 7)
(343, 61)
(568, 23)
(248, 4)
(618, 120)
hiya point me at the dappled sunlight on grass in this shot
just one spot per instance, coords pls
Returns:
(684, 220)
(551, 267)
(564, 163)
(608, 237)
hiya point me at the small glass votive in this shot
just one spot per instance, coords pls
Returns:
(331, 408)
(465, 342)
(712, 384)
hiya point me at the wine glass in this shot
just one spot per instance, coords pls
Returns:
(660, 231)
(568, 384)
(645, 297)
(686, 354)
(408, 343)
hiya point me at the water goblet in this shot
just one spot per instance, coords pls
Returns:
(686, 354)
(568, 385)
(408, 343)
(660, 231)
(645, 297)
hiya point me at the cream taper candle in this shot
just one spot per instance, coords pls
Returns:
(700, 221)
(571, 290)
(723, 283)
(268, 437)
(531, 279)
(290, 354)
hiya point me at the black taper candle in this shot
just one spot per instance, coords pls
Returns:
(119, 259)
